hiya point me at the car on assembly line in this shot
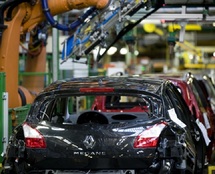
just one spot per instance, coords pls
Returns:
(195, 94)
(106, 125)
(207, 86)
(208, 91)
(198, 111)
(200, 93)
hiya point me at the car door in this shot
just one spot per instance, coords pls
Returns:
(183, 113)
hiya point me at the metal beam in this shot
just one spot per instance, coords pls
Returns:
(198, 14)
(190, 2)
(172, 17)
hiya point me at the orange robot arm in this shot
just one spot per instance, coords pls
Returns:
(24, 18)
(58, 7)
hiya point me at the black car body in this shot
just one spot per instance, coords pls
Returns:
(200, 92)
(145, 128)
(208, 96)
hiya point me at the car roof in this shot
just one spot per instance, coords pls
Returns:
(150, 85)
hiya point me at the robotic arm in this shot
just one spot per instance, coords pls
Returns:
(46, 9)
(19, 17)
(103, 26)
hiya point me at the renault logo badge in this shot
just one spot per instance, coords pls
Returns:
(89, 142)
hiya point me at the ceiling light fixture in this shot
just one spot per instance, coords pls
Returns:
(123, 51)
(112, 51)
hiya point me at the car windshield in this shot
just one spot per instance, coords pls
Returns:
(70, 107)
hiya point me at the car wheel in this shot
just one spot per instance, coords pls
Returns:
(20, 167)
(16, 168)
(7, 171)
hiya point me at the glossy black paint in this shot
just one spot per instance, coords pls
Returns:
(104, 140)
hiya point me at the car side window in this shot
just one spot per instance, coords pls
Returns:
(66, 109)
(57, 114)
(198, 92)
(52, 109)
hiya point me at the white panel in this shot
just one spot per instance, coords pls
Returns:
(6, 122)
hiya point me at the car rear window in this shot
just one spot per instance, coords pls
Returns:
(126, 106)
